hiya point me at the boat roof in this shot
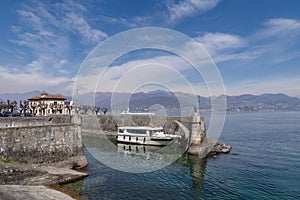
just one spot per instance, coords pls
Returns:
(141, 127)
(138, 113)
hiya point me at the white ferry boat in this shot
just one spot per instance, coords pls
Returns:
(138, 113)
(144, 135)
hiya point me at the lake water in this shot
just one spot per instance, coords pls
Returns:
(263, 164)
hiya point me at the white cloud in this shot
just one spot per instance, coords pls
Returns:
(276, 40)
(214, 42)
(224, 47)
(274, 44)
(34, 66)
(46, 33)
(166, 71)
(132, 22)
(187, 8)
(53, 18)
(279, 26)
(80, 25)
(31, 17)
(14, 81)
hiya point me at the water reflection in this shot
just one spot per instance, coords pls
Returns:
(197, 165)
(173, 176)
(137, 150)
(183, 179)
(197, 168)
(131, 158)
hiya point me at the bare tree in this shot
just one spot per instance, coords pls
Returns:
(24, 106)
(85, 108)
(69, 108)
(33, 107)
(97, 109)
(104, 110)
(3, 106)
(11, 105)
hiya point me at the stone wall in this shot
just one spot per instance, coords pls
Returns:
(41, 141)
(107, 124)
(58, 138)
(32, 121)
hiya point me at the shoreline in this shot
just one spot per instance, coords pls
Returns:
(21, 177)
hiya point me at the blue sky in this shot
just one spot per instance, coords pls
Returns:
(255, 44)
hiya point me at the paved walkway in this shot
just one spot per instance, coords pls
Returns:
(16, 192)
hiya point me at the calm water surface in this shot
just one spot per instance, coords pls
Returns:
(263, 164)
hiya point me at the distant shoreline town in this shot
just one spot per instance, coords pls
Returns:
(42, 103)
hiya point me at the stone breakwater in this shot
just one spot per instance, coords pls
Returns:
(58, 138)
(191, 128)
(108, 124)
(41, 140)
(42, 150)
(37, 151)
(29, 174)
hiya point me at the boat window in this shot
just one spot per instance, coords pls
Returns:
(121, 130)
(137, 131)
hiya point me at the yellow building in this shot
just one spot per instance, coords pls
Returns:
(47, 104)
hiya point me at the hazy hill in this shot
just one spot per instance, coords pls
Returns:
(19, 96)
(264, 102)
(172, 102)
(22, 96)
(247, 102)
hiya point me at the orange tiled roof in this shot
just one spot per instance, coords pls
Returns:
(45, 96)
(34, 98)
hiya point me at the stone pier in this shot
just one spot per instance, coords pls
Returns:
(198, 141)
(46, 140)
(199, 144)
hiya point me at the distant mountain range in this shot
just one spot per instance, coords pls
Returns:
(19, 96)
(264, 102)
(22, 96)
(178, 101)
(170, 101)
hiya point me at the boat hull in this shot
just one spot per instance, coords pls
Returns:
(144, 140)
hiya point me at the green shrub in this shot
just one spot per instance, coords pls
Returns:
(5, 160)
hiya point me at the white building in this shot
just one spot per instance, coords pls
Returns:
(47, 104)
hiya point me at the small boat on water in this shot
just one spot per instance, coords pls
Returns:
(144, 135)
(138, 113)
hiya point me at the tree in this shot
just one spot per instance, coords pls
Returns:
(24, 106)
(3, 106)
(33, 107)
(104, 110)
(11, 105)
(97, 109)
(85, 108)
(69, 108)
